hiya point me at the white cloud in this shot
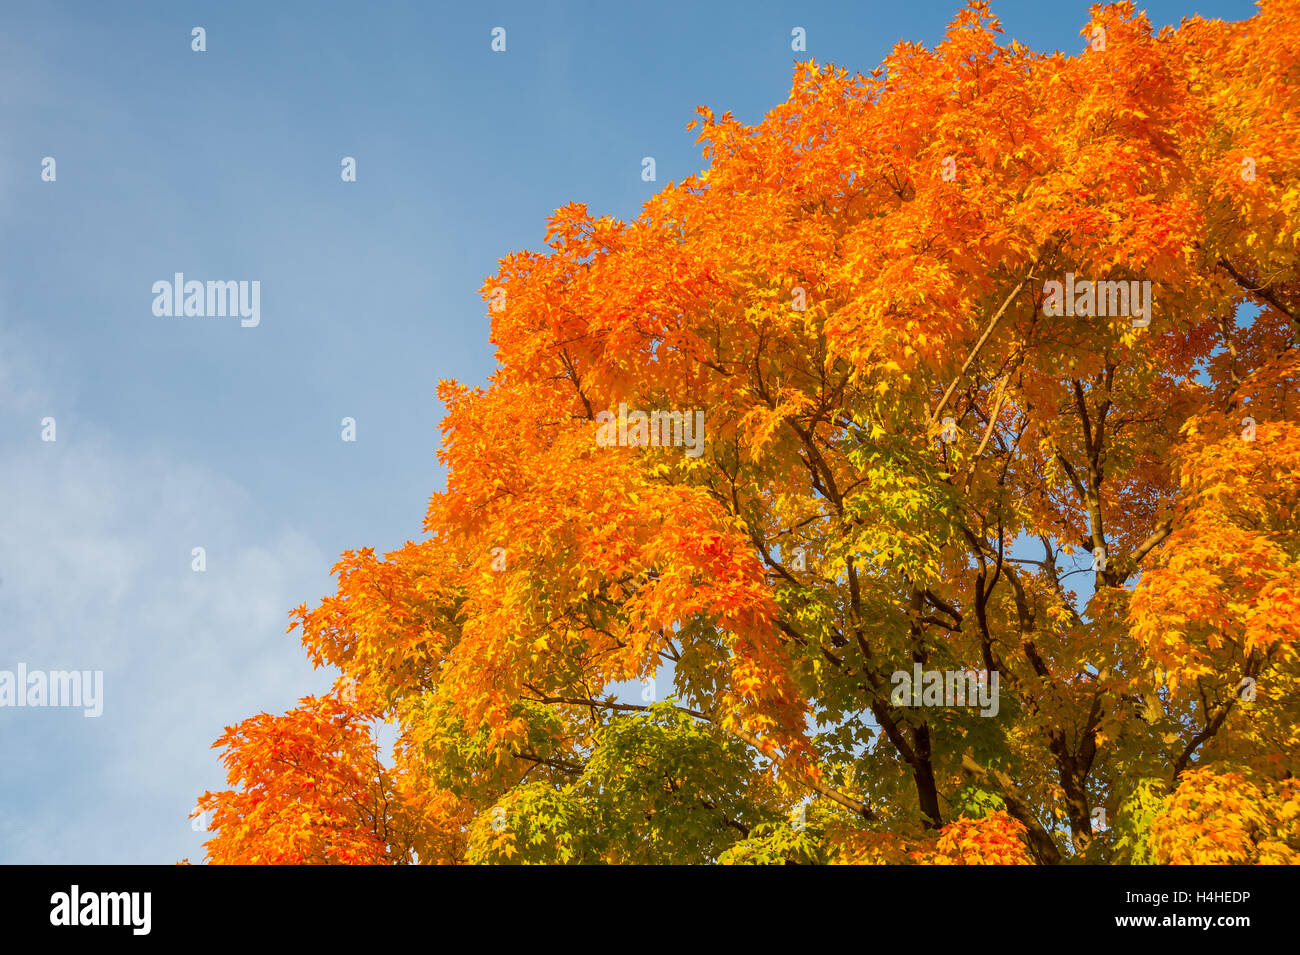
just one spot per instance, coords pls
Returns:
(95, 554)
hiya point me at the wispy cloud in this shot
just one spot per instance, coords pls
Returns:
(96, 573)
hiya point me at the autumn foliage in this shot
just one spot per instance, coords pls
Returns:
(908, 460)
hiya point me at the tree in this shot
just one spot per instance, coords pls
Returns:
(928, 406)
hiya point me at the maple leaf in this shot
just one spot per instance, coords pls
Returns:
(910, 453)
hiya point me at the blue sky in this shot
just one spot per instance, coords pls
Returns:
(176, 433)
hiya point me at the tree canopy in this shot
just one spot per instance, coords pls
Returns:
(938, 435)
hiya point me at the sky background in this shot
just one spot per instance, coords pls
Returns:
(178, 433)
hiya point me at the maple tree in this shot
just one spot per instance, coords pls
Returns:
(910, 455)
